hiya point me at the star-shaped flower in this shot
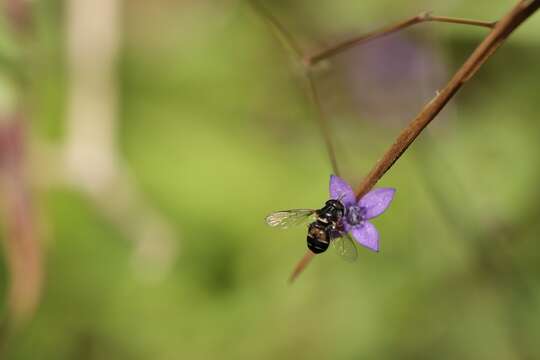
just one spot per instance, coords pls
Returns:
(358, 212)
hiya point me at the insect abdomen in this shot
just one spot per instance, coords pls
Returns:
(317, 238)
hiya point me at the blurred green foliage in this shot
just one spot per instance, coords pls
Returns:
(218, 131)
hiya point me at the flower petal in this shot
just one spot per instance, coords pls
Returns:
(340, 190)
(366, 235)
(376, 201)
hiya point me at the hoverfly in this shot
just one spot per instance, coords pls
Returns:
(326, 227)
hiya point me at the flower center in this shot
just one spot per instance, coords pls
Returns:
(355, 215)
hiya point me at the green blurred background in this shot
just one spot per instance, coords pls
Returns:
(159, 134)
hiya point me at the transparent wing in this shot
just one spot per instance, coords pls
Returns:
(287, 218)
(345, 248)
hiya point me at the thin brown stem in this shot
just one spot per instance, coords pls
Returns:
(301, 265)
(290, 42)
(279, 29)
(487, 47)
(387, 30)
(323, 124)
(452, 20)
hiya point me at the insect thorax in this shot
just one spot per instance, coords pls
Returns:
(331, 212)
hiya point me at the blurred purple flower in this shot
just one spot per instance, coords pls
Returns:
(391, 78)
(358, 212)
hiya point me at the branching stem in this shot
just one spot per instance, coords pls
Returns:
(387, 30)
(499, 33)
(485, 49)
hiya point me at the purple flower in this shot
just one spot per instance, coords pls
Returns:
(357, 213)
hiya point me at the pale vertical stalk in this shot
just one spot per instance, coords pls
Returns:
(93, 36)
(93, 161)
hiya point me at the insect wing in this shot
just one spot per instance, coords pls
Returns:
(345, 248)
(288, 218)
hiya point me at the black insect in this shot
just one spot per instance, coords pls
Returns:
(326, 228)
